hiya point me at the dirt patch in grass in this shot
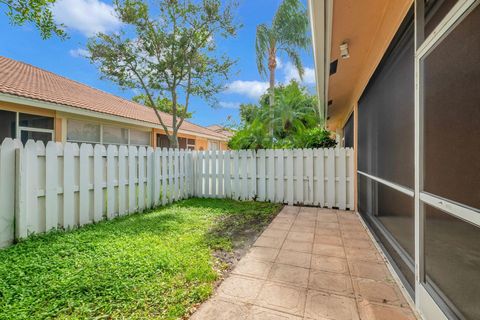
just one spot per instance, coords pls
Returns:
(241, 229)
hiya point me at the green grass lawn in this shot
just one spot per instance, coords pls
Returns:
(151, 265)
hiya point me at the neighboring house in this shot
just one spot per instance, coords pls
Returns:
(40, 105)
(222, 130)
(402, 79)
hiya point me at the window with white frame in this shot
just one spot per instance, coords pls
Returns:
(114, 135)
(213, 145)
(139, 138)
(87, 132)
(83, 131)
(26, 127)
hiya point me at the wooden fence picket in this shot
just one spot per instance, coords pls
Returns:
(67, 186)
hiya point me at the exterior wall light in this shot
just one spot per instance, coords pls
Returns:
(344, 50)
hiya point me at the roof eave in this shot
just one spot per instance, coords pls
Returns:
(320, 14)
(90, 113)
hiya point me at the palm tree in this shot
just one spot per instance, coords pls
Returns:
(287, 34)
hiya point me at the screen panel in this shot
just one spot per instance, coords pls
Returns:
(348, 132)
(452, 115)
(390, 214)
(386, 118)
(452, 261)
(7, 125)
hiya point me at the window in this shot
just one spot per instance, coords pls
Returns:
(139, 138)
(191, 144)
(34, 121)
(7, 125)
(82, 131)
(183, 143)
(115, 135)
(213, 145)
(35, 127)
(162, 141)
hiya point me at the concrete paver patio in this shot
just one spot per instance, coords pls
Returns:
(310, 263)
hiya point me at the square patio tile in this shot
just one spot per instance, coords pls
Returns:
(329, 264)
(378, 291)
(337, 283)
(262, 253)
(294, 258)
(358, 243)
(282, 298)
(259, 313)
(290, 209)
(369, 270)
(363, 235)
(322, 306)
(269, 242)
(310, 210)
(284, 219)
(333, 240)
(303, 229)
(307, 216)
(347, 227)
(280, 226)
(299, 246)
(300, 236)
(374, 311)
(217, 309)
(363, 254)
(328, 250)
(303, 223)
(327, 232)
(327, 218)
(327, 225)
(253, 268)
(275, 233)
(288, 274)
(239, 288)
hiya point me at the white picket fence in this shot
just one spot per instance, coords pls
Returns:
(319, 177)
(66, 186)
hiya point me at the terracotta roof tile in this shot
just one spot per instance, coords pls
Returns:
(24, 80)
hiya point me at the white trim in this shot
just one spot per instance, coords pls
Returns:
(426, 304)
(392, 185)
(456, 210)
(94, 114)
(32, 129)
(445, 26)
(320, 14)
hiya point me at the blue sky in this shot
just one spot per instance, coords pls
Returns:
(85, 17)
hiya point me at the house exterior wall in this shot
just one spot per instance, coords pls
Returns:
(61, 124)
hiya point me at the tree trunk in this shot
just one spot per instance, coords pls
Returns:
(173, 139)
(272, 65)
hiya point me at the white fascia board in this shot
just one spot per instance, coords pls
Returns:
(320, 14)
(89, 113)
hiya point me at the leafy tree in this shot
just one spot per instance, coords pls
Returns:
(296, 123)
(162, 104)
(168, 51)
(37, 12)
(286, 34)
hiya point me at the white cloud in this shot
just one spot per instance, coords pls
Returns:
(87, 16)
(79, 53)
(251, 89)
(229, 105)
(291, 73)
(279, 63)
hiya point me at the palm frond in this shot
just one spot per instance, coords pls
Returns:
(297, 61)
(262, 48)
(290, 24)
